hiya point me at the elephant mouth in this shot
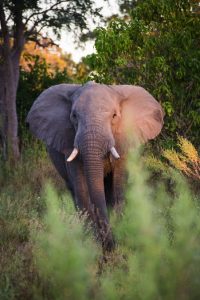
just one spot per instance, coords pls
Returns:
(93, 142)
(75, 152)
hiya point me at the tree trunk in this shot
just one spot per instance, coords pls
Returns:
(9, 76)
(3, 120)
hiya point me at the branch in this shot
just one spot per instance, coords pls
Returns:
(41, 20)
(43, 42)
(40, 29)
(31, 30)
(44, 11)
(8, 18)
(57, 15)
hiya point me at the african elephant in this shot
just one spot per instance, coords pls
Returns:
(86, 129)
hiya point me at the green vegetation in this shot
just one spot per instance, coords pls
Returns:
(21, 206)
(65, 255)
(47, 252)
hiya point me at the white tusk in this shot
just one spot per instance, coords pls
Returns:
(114, 153)
(72, 155)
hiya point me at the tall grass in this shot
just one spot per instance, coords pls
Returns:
(21, 207)
(65, 255)
(160, 238)
(47, 251)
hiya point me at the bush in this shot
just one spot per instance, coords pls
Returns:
(64, 254)
(47, 251)
(184, 158)
(21, 208)
(159, 239)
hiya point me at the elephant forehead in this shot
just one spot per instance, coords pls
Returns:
(95, 98)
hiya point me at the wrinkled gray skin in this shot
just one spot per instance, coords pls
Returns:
(93, 119)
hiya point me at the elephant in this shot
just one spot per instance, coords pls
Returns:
(88, 130)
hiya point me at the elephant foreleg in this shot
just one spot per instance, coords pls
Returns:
(58, 159)
(81, 195)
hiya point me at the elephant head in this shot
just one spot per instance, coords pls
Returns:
(90, 123)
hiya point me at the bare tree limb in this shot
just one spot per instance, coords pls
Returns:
(41, 28)
(32, 35)
(38, 22)
(44, 42)
(8, 18)
(44, 11)
(31, 31)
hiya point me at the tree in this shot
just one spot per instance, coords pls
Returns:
(22, 21)
(157, 48)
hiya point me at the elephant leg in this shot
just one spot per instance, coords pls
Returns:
(73, 176)
(81, 195)
(58, 160)
(108, 187)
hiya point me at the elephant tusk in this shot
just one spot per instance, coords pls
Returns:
(72, 155)
(114, 153)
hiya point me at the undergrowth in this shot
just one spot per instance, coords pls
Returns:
(48, 252)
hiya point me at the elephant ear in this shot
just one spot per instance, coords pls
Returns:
(142, 115)
(49, 117)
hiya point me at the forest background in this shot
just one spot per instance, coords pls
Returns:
(43, 249)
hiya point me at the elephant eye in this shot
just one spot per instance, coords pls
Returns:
(114, 115)
(74, 117)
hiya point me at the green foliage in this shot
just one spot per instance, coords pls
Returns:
(21, 208)
(157, 48)
(65, 255)
(47, 251)
(159, 238)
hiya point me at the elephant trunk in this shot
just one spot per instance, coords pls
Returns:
(93, 168)
(91, 152)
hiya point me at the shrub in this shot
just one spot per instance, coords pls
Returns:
(21, 208)
(185, 159)
(48, 252)
(158, 236)
(65, 255)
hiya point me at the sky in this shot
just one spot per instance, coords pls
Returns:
(67, 38)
